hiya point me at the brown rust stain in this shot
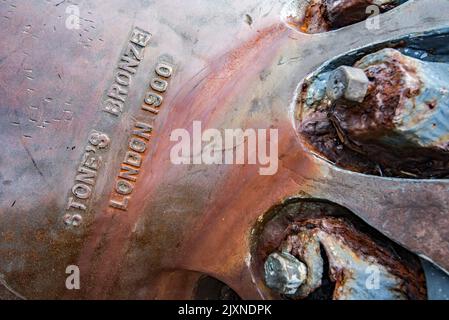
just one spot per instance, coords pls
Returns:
(220, 239)
(205, 98)
(326, 15)
(351, 135)
(304, 220)
(315, 18)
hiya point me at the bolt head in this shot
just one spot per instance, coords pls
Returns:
(349, 83)
(284, 273)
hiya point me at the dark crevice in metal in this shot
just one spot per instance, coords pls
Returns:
(326, 290)
(209, 288)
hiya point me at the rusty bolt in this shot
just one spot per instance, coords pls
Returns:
(284, 273)
(348, 82)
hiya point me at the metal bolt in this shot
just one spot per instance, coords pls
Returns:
(348, 82)
(284, 273)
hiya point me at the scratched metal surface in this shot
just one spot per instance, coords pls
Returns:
(180, 220)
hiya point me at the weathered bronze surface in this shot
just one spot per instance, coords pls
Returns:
(70, 96)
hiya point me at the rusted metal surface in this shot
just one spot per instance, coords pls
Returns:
(341, 254)
(351, 255)
(180, 221)
(398, 128)
(324, 15)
